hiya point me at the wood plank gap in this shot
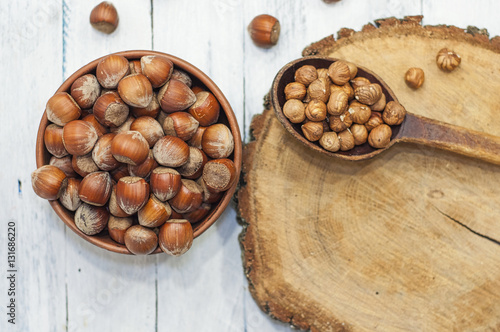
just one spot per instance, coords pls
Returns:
(65, 9)
(152, 27)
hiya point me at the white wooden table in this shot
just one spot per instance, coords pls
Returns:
(64, 283)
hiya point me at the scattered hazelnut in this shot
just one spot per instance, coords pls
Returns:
(104, 17)
(447, 60)
(394, 113)
(264, 30)
(380, 136)
(414, 78)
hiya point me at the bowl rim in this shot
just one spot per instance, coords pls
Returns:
(108, 244)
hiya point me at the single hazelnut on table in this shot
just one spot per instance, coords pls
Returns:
(294, 110)
(171, 151)
(91, 219)
(175, 96)
(95, 188)
(319, 89)
(338, 123)
(217, 141)
(306, 75)
(135, 90)
(380, 136)
(346, 140)
(48, 182)
(338, 102)
(330, 141)
(219, 174)
(85, 90)
(53, 140)
(316, 110)
(189, 197)
(264, 30)
(165, 182)
(312, 130)
(132, 193)
(79, 137)
(140, 240)
(64, 164)
(62, 108)
(368, 94)
(447, 60)
(176, 236)
(110, 110)
(157, 68)
(154, 213)
(339, 72)
(180, 124)
(69, 196)
(130, 147)
(359, 133)
(295, 90)
(101, 154)
(143, 170)
(149, 128)
(199, 214)
(117, 228)
(414, 78)
(360, 113)
(359, 81)
(104, 17)
(181, 75)
(394, 113)
(111, 70)
(193, 168)
(84, 165)
(374, 121)
(205, 109)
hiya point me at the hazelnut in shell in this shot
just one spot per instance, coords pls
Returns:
(264, 30)
(154, 213)
(152, 110)
(91, 219)
(117, 228)
(189, 197)
(380, 136)
(195, 141)
(84, 165)
(205, 109)
(165, 182)
(218, 141)
(61, 108)
(64, 164)
(209, 196)
(199, 214)
(181, 75)
(53, 140)
(149, 128)
(171, 151)
(113, 206)
(130, 147)
(99, 128)
(48, 182)
(101, 154)
(110, 110)
(135, 90)
(176, 236)
(104, 17)
(219, 174)
(175, 96)
(132, 193)
(193, 168)
(143, 170)
(111, 69)
(140, 240)
(85, 90)
(79, 137)
(157, 68)
(69, 196)
(180, 124)
(95, 188)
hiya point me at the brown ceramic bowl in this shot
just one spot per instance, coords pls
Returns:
(226, 116)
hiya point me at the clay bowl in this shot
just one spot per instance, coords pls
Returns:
(227, 117)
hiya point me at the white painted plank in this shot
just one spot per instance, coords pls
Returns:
(30, 49)
(106, 290)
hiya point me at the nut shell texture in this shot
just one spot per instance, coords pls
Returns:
(104, 17)
(62, 108)
(48, 182)
(264, 30)
(217, 141)
(91, 219)
(176, 237)
(79, 137)
(171, 151)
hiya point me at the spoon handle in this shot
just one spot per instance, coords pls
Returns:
(475, 144)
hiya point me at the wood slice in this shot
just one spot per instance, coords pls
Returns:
(407, 241)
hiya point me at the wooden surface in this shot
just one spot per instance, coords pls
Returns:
(406, 241)
(67, 284)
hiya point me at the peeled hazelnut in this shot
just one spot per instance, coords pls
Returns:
(217, 141)
(205, 109)
(69, 196)
(295, 90)
(117, 228)
(175, 96)
(136, 90)
(330, 141)
(264, 30)
(104, 17)
(337, 103)
(195, 141)
(79, 137)
(99, 128)
(165, 183)
(111, 70)
(199, 214)
(130, 147)
(339, 72)
(152, 110)
(182, 76)
(85, 90)
(312, 130)
(101, 154)
(171, 151)
(341, 122)
(306, 75)
(189, 197)
(447, 59)
(157, 68)
(180, 124)
(95, 188)
(110, 110)
(193, 168)
(149, 128)
(316, 110)
(209, 196)
(294, 110)
(140, 240)
(414, 78)
(84, 165)
(62, 108)
(53, 140)
(380, 104)
(322, 73)
(346, 140)
(91, 219)
(144, 169)
(154, 213)
(347, 88)
(394, 113)
(319, 89)
(48, 182)
(380, 136)
(353, 69)
(132, 193)
(219, 174)
(368, 94)
(374, 121)
(64, 164)
(113, 206)
(360, 113)
(359, 133)
(359, 81)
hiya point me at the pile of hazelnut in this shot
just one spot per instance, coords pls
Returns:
(137, 150)
(340, 110)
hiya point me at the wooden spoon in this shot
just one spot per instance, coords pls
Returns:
(414, 129)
